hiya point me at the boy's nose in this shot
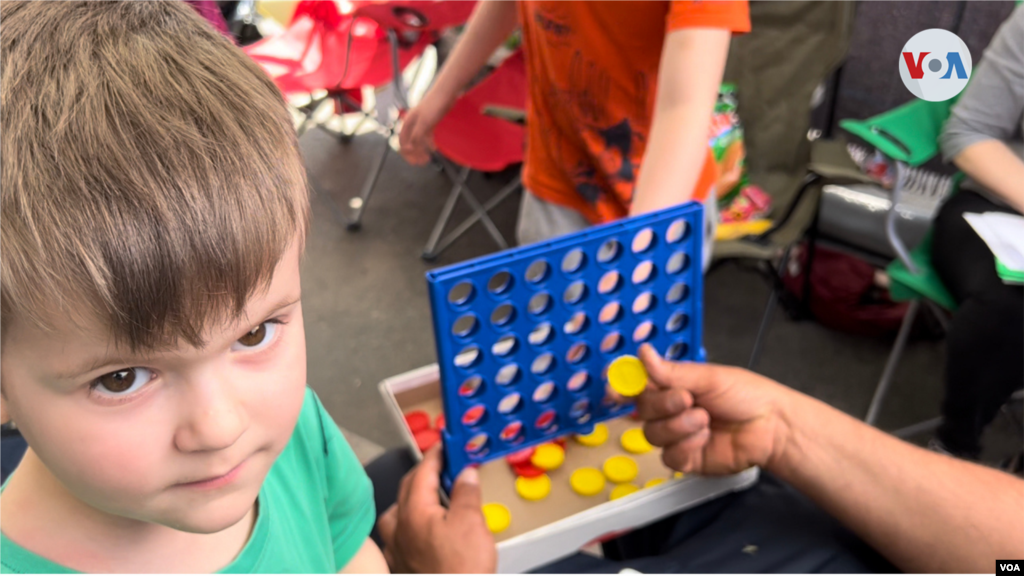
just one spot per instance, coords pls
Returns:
(214, 418)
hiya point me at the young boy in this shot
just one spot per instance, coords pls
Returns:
(153, 214)
(620, 99)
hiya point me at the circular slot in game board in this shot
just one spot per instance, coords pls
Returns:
(471, 387)
(575, 292)
(573, 260)
(507, 374)
(503, 314)
(578, 381)
(537, 271)
(469, 356)
(512, 433)
(608, 251)
(580, 409)
(610, 282)
(500, 282)
(544, 392)
(510, 404)
(677, 293)
(677, 350)
(643, 303)
(610, 312)
(577, 352)
(576, 323)
(539, 303)
(477, 445)
(676, 231)
(643, 332)
(611, 342)
(461, 293)
(543, 364)
(464, 326)
(541, 334)
(643, 240)
(677, 262)
(505, 345)
(474, 416)
(546, 420)
(677, 321)
(643, 272)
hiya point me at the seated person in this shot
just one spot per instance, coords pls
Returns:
(154, 208)
(983, 138)
(922, 511)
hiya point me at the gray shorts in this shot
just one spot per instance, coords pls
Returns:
(540, 220)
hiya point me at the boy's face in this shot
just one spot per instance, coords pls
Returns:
(180, 437)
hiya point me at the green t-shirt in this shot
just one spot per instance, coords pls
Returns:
(315, 508)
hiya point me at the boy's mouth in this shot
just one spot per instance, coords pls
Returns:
(214, 482)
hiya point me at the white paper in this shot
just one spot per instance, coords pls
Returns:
(1004, 234)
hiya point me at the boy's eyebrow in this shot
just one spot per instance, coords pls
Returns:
(100, 361)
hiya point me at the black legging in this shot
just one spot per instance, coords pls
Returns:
(984, 360)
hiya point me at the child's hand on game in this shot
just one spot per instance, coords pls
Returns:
(421, 536)
(711, 419)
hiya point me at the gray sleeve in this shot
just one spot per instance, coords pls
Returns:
(992, 104)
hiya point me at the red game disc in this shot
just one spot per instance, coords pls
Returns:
(560, 442)
(527, 470)
(520, 457)
(439, 422)
(425, 439)
(417, 420)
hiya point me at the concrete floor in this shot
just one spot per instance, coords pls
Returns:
(367, 314)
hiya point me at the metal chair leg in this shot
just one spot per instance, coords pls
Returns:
(468, 223)
(477, 208)
(358, 204)
(769, 309)
(430, 251)
(890, 366)
(766, 320)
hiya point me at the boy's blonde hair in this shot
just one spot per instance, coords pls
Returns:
(151, 177)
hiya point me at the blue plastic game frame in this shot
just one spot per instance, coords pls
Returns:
(504, 287)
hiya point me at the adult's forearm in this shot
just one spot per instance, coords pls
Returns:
(923, 511)
(490, 25)
(996, 167)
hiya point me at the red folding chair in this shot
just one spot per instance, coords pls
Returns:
(474, 136)
(325, 50)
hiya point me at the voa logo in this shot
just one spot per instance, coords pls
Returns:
(1009, 567)
(935, 65)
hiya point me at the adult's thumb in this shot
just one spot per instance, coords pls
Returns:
(692, 376)
(466, 495)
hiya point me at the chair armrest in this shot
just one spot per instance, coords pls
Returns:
(908, 133)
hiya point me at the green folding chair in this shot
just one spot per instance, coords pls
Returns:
(908, 136)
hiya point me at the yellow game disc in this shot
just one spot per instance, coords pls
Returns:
(497, 517)
(620, 469)
(623, 490)
(679, 475)
(587, 481)
(533, 488)
(596, 438)
(548, 456)
(627, 375)
(654, 482)
(634, 441)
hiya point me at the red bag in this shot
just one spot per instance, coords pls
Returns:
(843, 293)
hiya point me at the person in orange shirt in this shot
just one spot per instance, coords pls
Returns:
(620, 99)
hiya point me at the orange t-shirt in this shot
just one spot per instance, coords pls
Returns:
(592, 69)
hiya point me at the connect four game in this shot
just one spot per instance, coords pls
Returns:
(525, 337)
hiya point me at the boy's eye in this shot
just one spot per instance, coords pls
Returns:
(124, 381)
(257, 337)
